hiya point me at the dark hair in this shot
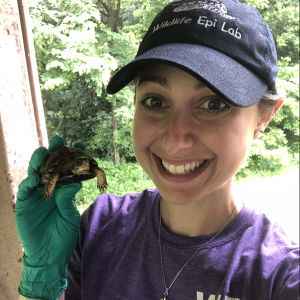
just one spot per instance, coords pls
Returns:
(267, 104)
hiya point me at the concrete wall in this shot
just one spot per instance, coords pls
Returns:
(18, 139)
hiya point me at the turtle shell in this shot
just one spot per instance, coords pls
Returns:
(68, 165)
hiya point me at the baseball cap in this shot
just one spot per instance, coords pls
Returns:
(224, 44)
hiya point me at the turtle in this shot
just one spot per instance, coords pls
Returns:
(67, 165)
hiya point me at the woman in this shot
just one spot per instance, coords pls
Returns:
(205, 89)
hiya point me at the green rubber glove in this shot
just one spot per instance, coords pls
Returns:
(48, 230)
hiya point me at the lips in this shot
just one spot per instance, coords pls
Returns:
(171, 172)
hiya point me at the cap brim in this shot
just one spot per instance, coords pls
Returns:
(222, 74)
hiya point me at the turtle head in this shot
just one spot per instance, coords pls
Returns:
(80, 166)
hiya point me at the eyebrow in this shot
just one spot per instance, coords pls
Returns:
(165, 83)
(156, 79)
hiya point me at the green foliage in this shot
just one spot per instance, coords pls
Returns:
(102, 139)
(267, 158)
(139, 14)
(279, 146)
(77, 52)
(122, 179)
(66, 45)
(74, 113)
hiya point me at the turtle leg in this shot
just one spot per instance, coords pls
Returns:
(101, 179)
(49, 187)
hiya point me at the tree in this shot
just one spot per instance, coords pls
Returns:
(77, 47)
(279, 146)
(79, 44)
(111, 13)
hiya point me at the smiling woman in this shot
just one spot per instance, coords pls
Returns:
(204, 93)
(181, 124)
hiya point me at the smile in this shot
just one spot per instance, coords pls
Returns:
(183, 169)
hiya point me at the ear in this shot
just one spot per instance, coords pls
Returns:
(263, 122)
(278, 105)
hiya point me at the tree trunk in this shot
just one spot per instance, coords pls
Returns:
(110, 9)
(114, 125)
(113, 11)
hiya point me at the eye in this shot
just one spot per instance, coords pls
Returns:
(78, 162)
(214, 106)
(153, 102)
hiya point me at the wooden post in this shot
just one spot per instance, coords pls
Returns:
(33, 79)
(22, 130)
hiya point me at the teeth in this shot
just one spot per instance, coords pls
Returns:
(179, 169)
(172, 169)
(166, 165)
(187, 167)
(183, 169)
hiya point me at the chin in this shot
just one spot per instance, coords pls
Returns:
(178, 196)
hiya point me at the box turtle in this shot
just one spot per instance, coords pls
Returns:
(67, 165)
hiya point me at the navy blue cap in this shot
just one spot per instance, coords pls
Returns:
(224, 44)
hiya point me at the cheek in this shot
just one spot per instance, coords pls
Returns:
(142, 134)
(233, 142)
(237, 142)
(135, 134)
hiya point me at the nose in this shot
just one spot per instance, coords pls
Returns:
(178, 132)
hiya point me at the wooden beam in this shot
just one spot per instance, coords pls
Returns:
(32, 74)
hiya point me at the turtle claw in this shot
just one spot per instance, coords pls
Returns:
(48, 190)
(47, 195)
(101, 179)
(101, 187)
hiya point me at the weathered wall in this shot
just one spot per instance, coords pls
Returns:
(18, 139)
(10, 248)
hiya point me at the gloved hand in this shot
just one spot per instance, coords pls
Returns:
(48, 230)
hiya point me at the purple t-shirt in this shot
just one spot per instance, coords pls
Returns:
(117, 256)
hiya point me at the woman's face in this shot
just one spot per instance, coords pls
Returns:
(188, 140)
